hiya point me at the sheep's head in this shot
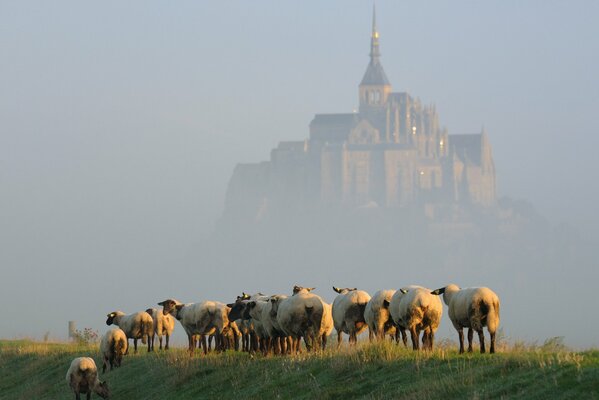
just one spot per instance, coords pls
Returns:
(344, 290)
(274, 308)
(300, 289)
(237, 309)
(168, 306)
(102, 390)
(110, 319)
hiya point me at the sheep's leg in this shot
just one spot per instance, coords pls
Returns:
(204, 343)
(77, 396)
(470, 335)
(324, 341)
(414, 336)
(431, 340)
(492, 349)
(150, 340)
(461, 338)
(339, 339)
(191, 344)
(88, 396)
(159, 342)
(481, 339)
(404, 337)
(134, 346)
(210, 342)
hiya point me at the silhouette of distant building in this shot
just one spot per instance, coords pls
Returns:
(391, 153)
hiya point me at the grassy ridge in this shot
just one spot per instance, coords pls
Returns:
(36, 370)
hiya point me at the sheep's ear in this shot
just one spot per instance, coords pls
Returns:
(230, 305)
(162, 303)
(385, 303)
(404, 291)
(149, 311)
(438, 291)
(310, 289)
(336, 289)
(355, 288)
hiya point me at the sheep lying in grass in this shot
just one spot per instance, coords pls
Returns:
(164, 324)
(136, 326)
(472, 308)
(348, 313)
(204, 319)
(377, 317)
(113, 347)
(419, 310)
(82, 377)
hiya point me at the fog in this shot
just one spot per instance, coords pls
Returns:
(121, 125)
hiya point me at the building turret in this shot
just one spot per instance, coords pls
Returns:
(375, 87)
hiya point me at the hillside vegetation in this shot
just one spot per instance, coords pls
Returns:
(30, 370)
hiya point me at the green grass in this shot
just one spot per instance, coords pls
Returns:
(378, 371)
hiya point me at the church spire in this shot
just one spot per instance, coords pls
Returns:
(375, 75)
(374, 39)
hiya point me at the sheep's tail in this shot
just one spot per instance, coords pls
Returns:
(119, 346)
(146, 330)
(493, 316)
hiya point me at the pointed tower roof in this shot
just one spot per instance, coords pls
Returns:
(375, 74)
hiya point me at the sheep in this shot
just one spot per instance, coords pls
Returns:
(164, 324)
(306, 315)
(348, 313)
(377, 317)
(82, 377)
(136, 326)
(472, 308)
(278, 342)
(416, 309)
(113, 347)
(250, 338)
(253, 310)
(393, 307)
(204, 319)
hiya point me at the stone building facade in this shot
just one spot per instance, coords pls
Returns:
(391, 153)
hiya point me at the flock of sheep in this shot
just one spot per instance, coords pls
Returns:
(276, 324)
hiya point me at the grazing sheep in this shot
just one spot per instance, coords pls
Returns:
(113, 347)
(82, 377)
(348, 313)
(472, 308)
(164, 324)
(204, 319)
(377, 317)
(136, 326)
(419, 310)
(304, 315)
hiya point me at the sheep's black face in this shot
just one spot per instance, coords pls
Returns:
(103, 391)
(167, 306)
(237, 310)
(110, 319)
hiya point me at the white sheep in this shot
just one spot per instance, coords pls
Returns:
(136, 326)
(348, 313)
(393, 307)
(472, 308)
(278, 341)
(305, 315)
(203, 319)
(164, 325)
(113, 347)
(377, 317)
(252, 332)
(82, 377)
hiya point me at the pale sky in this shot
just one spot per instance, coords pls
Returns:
(121, 123)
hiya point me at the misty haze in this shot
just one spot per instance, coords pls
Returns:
(200, 150)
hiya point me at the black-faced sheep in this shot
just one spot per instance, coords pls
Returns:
(113, 347)
(348, 313)
(472, 308)
(204, 319)
(82, 377)
(136, 326)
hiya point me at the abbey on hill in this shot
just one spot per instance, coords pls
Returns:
(391, 153)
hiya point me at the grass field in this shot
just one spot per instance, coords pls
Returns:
(31, 370)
